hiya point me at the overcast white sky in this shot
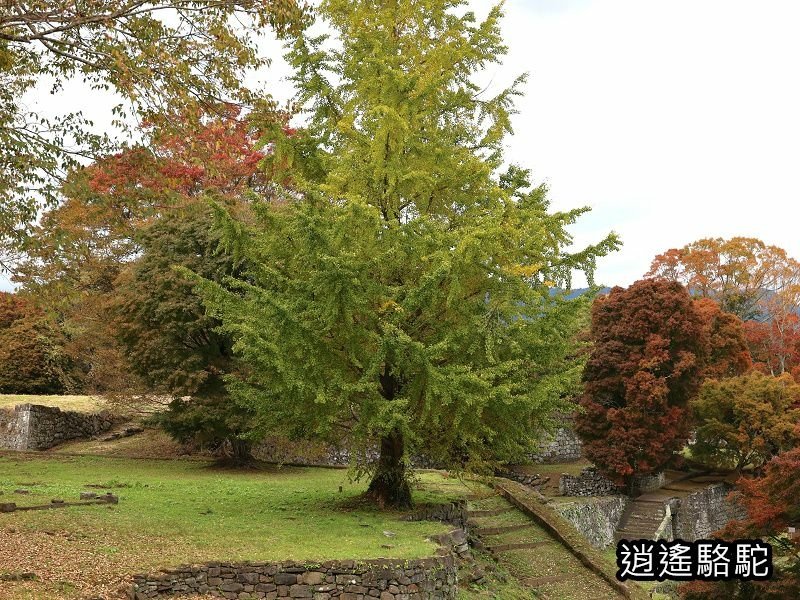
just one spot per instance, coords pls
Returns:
(673, 119)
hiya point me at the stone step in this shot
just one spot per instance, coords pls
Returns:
(642, 524)
(480, 496)
(645, 531)
(539, 581)
(633, 525)
(483, 531)
(519, 546)
(648, 508)
(489, 513)
(646, 518)
(634, 535)
(637, 527)
(643, 517)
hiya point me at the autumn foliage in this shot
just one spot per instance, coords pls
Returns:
(772, 504)
(775, 344)
(220, 157)
(647, 362)
(31, 361)
(746, 420)
(726, 350)
(82, 247)
(739, 273)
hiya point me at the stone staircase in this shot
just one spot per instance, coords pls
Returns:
(645, 514)
(642, 518)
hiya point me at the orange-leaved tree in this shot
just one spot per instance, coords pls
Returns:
(727, 353)
(79, 248)
(775, 341)
(31, 356)
(746, 420)
(740, 273)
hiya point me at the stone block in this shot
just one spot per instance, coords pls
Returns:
(300, 590)
(313, 578)
(285, 578)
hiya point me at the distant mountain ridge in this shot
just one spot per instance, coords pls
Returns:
(602, 291)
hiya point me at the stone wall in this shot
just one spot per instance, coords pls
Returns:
(649, 483)
(280, 450)
(596, 519)
(589, 483)
(701, 513)
(455, 513)
(383, 579)
(35, 427)
(13, 429)
(563, 445)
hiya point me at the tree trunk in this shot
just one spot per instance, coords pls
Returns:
(240, 452)
(389, 486)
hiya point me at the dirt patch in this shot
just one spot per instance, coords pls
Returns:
(61, 566)
(150, 443)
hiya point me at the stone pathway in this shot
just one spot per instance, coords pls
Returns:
(642, 518)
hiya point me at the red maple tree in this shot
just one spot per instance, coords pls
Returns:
(646, 363)
(726, 349)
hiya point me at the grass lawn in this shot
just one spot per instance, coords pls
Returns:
(573, 468)
(177, 511)
(77, 403)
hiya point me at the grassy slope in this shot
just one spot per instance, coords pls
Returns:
(151, 443)
(543, 561)
(184, 510)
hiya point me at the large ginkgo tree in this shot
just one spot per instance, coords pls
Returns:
(398, 293)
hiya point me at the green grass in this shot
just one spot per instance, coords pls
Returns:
(498, 584)
(179, 511)
(573, 468)
(76, 403)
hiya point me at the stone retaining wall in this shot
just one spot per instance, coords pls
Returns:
(699, 514)
(596, 519)
(13, 429)
(275, 449)
(563, 445)
(455, 513)
(384, 579)
(313, 453)
(35, 427)
(649, 483)
(589, 483)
